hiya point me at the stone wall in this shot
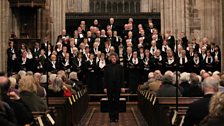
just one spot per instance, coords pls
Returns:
(5, 30)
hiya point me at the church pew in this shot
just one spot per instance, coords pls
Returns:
(69, 110)
(161, 111)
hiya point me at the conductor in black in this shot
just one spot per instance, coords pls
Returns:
(113, 86)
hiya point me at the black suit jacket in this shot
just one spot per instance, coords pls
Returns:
(197, 111)
(114, 81)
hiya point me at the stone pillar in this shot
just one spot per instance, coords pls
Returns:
(57, 14)
(221, 32)
(5, 29)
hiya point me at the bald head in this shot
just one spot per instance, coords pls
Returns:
(210, 85)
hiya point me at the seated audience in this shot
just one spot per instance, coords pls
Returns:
(55, 89)
(28, 93)
(167, 88)
(216, 111)
(199, 109)
(21, 112)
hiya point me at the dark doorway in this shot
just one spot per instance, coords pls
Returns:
(73, 20)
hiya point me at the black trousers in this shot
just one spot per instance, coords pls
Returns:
(113, 104)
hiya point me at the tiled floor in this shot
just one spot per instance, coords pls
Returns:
(129, 118)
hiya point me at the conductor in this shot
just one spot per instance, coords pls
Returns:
(113, 86)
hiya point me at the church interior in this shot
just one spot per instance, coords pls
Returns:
(112, 63)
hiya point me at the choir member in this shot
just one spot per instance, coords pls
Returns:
(97, 57)
(101, 65)
(44, 44)
(117, 41)
(147, 65)
(170, 39)
(205, 43)
(96, 24)
(170, 62)
(157, 38)
(164, 48)
(91, 74)
(194, 44)
(90, 39)
(217, 58)
(77, 39)
(58, 47)
(53, 65)
(41, 65)
(153, 48)
(72, 45)
(196, 63)
(66, 63)
(86, 54)
(208, 62)
(22, 49)
(63, 35)
(183, 62)
(141, 53)
(78, 65)
(106, 50)
(81, 33)
(203, 53)
(112, 25)
(25, 63)
(134, 72)
(49, 51)
(158, 61)
(74, 53)
(184, 39)
(190, 52)
(142, 44)
(12, 58)
(95, 48)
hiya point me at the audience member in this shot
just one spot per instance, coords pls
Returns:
(199, 109)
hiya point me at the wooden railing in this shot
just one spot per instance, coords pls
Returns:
(27, 3)
(64, 111)
(161, 111)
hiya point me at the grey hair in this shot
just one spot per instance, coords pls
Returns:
(73, 75)
(210, 82)
(57, 84)
(184, 77)
(43, 79)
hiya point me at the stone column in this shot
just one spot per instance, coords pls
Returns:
(5, 29)
(57, 14)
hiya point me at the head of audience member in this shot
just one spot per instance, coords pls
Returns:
(73, 76)
(150, 75)
(51, 78)
(21, 73)
(27, 84)
(62, 75)
(210, 85)
(29, 73)
(184, 77)
(4, 86)
(205, 75)
(157, 75)
(167, 79)
(216, 110)
(57, 84)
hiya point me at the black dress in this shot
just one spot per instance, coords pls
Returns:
(134, 74)
(91, 76)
